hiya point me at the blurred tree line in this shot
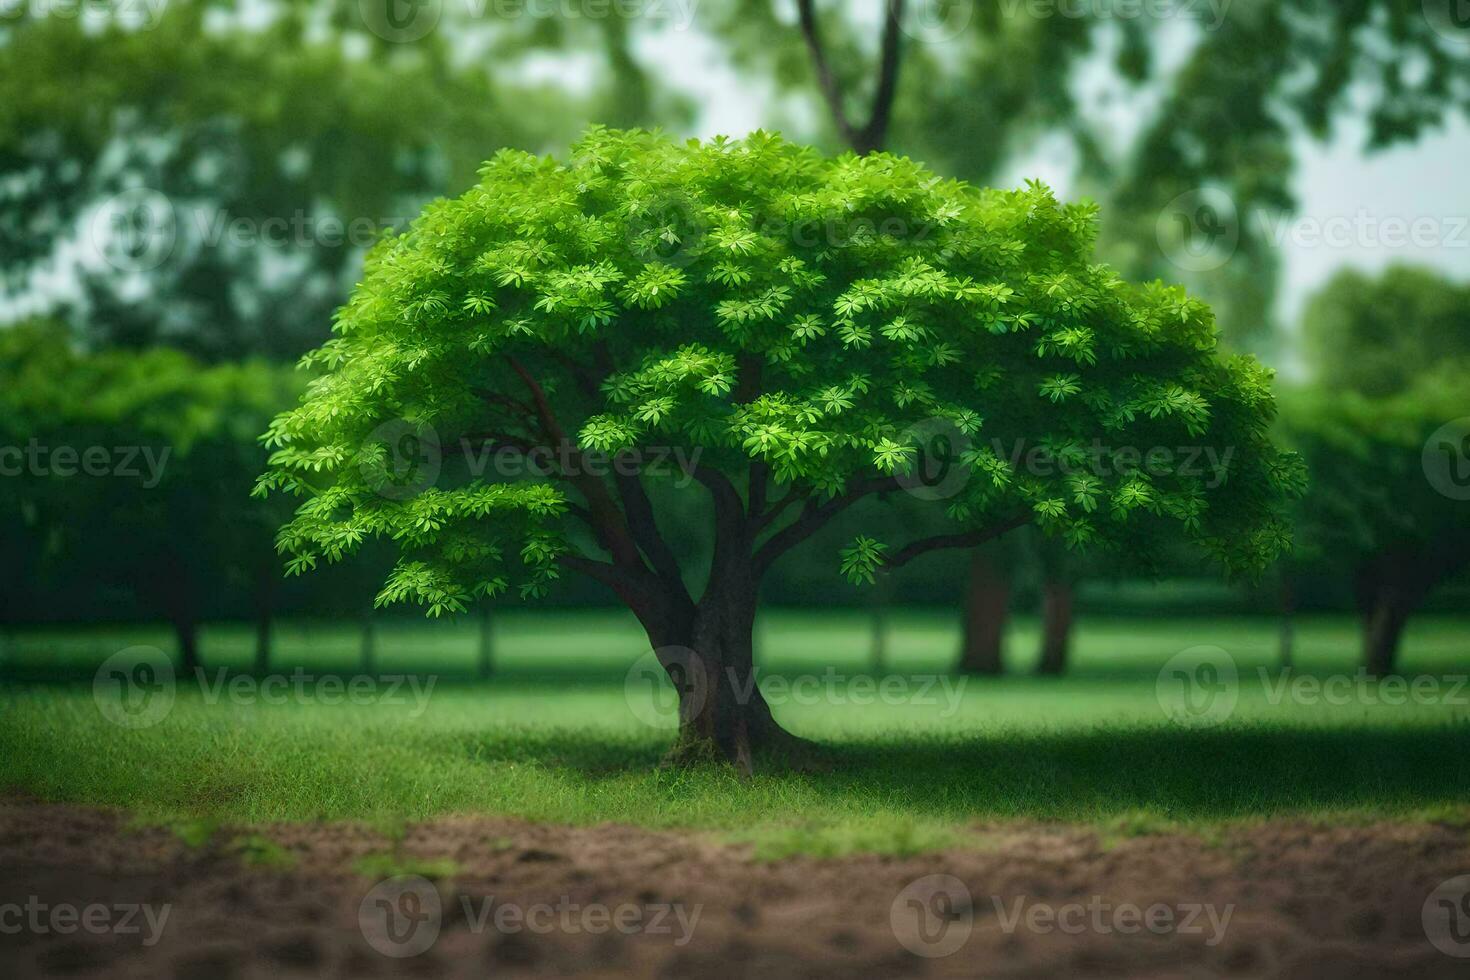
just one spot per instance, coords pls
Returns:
(187, 199)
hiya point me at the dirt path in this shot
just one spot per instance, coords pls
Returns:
(93, 897)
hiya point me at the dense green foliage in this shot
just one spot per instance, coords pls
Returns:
(131, 471)
(773, 308)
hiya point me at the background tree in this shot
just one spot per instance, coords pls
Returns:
(1377, 430)
(790, 317)
(140, 476)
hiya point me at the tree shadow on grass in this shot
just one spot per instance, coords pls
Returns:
(1222, 773)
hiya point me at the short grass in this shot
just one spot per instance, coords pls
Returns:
(559, 734)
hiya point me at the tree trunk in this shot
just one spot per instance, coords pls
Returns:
(722, 713)
(186, 633)
(264, 607)
(1056, 627)
(1383, 629)
(987, 601)
(486, 662)
(1288, 624)
(369, 644)
(878, 621)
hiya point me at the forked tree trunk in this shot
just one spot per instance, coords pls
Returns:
(987, 603)
(1056, 627)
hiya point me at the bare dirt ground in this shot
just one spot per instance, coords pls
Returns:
(1283, 899)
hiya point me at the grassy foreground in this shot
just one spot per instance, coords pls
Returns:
(562, 733)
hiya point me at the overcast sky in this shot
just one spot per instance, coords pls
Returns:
(1410, 204)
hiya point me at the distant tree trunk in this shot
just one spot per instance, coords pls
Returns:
(1389, 587)
(186, 635)
(987, 603)
(486, 665)
(1056, 626)
(1288, 623)
(878, 622)
(265, 589)
(369, 643)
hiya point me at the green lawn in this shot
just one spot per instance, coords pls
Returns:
(557, 735)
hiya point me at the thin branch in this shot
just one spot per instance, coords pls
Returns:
(963, 539)
(815, 516)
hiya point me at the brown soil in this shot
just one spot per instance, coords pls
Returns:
(1303, 900)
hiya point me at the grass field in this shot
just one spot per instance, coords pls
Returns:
(559, 734)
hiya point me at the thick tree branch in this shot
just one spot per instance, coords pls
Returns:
(645, 530)
(873, 134)
(963, 539)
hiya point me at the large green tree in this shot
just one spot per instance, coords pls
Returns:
(783, 319)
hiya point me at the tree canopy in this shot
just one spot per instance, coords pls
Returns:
(794, 318)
